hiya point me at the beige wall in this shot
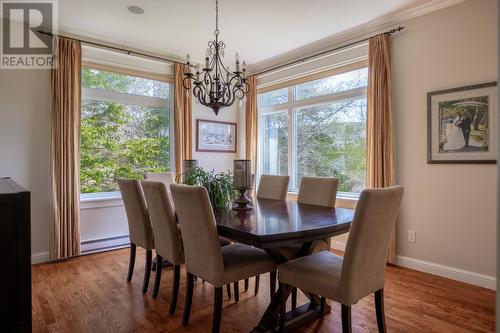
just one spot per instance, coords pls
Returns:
(452, 208)
(25, 140)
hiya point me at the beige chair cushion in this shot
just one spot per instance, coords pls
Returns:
(166, 233)
(321, 191)
(203, 254)
(363, 268)
(139, 226)
(273, 187)
(242, 261)
(318, 273)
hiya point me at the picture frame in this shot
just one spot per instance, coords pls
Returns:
(462, 126)
(216, 136)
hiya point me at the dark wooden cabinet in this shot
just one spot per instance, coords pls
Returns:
(15, 262)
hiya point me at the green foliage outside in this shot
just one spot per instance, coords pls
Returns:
(328, 146)
(119, 140)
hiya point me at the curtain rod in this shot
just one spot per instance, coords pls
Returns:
(315, 55)
(111, 47)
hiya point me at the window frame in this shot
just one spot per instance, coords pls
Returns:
(291, 107)
(103, 95)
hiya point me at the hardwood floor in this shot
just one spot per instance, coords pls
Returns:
(90, 294)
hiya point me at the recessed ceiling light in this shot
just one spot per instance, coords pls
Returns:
(135, 10)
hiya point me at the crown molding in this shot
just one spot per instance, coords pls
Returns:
(379, 25)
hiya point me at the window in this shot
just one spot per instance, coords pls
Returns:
(125, 128)
(316, 128)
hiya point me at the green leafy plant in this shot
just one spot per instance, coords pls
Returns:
(219, 186)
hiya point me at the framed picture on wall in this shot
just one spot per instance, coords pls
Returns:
(461, 125)
(216, 136)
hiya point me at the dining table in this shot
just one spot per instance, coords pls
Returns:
(276, 225)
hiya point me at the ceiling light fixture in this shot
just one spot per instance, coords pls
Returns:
(135, 10)
(215, 86)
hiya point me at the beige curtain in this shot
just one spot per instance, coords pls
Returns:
(379, 135)
(251, 123)
(183, 134)
(65, 150)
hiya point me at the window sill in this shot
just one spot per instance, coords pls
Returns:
(100, 200)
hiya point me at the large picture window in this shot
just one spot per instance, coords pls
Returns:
(316, 128)
(125, 128)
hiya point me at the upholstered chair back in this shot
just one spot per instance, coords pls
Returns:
(320, 191)
(165, 230)
(273, 187)
(363, 269)
(139, 225)
(202, 250)
(166, 178)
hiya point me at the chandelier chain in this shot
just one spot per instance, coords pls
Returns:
(216, 17)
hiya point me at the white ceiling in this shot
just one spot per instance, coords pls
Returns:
(257, 29)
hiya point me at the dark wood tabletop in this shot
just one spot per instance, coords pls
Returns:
(275, 223)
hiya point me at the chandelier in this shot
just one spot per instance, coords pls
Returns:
(215, 86)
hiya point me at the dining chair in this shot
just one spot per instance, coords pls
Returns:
(273, 187)
(139, 225)
(166, 178)
(204, 256)
(361, 271)
(319, 191)
(168, 241)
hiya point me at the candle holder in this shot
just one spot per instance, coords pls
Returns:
(242, 180)
(189, 166)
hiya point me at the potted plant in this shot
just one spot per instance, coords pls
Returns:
(219, 186)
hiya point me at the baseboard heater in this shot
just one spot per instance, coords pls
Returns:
(104, 244)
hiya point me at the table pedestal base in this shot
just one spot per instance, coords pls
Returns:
(294, 318)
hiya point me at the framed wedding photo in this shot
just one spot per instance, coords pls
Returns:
(461, 125)
(215, 136)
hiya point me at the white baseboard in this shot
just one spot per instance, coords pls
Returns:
(38, 258)
(88, 246)
(453, 273)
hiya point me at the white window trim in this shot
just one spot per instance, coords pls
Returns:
(290, 107)
(95, 200)
(124, 98)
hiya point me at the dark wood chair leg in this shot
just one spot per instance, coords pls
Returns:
(294, 298)
(379, 309)
(257, 280)
(159, 265)
(147, 271)
(175, 288)
(236, 286)
(228, 289)
(189, 298)
(281, 290)
(217, 310)
(272, 283)
(131, 262)
(322, 304)
(346, 319)
(246, 284)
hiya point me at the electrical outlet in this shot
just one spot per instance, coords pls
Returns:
(412, 236)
